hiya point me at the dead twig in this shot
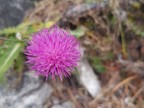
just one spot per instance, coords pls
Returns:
(73, 98)
(134, 67)
(123, 83)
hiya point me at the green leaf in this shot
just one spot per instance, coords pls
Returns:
(78, 32)
(97, 64)
(96, 60)
(23, 25)
(30, 30)
(100, 68)
(108, 56)
(6, 60)
(19, 63)
(9, 30)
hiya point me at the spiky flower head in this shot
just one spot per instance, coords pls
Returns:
(53, 52)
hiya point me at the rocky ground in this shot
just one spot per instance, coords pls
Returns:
(13, 11)
(112, 56)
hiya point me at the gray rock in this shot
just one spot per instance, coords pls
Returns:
(67, 104)
(87, 76)
(12, 11)
(32, 94)
(57, 106)
(55, 100)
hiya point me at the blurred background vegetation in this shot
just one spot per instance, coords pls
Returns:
(111, 33)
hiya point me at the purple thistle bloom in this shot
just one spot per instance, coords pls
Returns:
(53, 52)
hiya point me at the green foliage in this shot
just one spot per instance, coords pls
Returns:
(9, 30)
(137, 28)
(97, 64)
(11, 46)
(8, 53)
(109, 56)
(19, 62)
(12, 30)
(79, 32)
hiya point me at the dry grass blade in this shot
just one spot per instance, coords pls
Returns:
(127, 80)
(73, 98)
(138, 93)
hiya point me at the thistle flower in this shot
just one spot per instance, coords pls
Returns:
(53, 52)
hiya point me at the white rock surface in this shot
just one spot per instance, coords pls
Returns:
(32, 94)
(87, 77)
(67, 104)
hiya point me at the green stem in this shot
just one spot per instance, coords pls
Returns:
(6, 39)
(123, 42)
